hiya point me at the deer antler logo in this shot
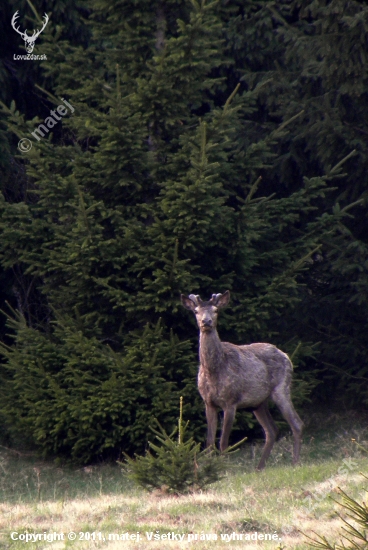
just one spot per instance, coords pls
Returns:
(29, 40)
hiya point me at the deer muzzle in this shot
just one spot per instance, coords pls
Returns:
(206, 324)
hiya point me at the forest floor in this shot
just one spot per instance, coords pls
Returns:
(273, 509)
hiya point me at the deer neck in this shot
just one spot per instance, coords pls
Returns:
(211, 353)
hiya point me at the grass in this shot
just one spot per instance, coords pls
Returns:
(39, 497)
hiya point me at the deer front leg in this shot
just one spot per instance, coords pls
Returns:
(211, 415)
(229, 415)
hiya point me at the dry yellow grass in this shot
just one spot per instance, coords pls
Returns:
(38, 497)
(270, 502)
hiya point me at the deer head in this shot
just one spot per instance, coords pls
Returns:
(29, 40)
(205, 312)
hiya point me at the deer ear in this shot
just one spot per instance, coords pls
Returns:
(223, 299)
(188, 302)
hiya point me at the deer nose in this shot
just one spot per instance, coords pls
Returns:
(207, 322)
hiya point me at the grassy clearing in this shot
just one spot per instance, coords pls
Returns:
(39, 497)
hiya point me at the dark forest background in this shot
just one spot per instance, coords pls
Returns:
(213, 146)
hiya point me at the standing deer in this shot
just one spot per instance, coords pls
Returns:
(232, 377)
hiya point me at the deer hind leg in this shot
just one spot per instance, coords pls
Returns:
(265, 419)
(229, 415)
(211, 415)
(281, 396)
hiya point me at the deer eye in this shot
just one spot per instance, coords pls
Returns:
(196, 310)
(215, 309)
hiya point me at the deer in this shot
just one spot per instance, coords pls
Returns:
(232, 377)
(29, 40)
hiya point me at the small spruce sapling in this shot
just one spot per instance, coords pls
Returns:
(177, 466)
(357, 537)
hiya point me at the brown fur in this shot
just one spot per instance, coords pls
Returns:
(231, 377)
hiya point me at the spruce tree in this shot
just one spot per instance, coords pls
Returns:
(326, 47)
(310, 56)
(152, 186)
(355, 535)
(177, 464)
